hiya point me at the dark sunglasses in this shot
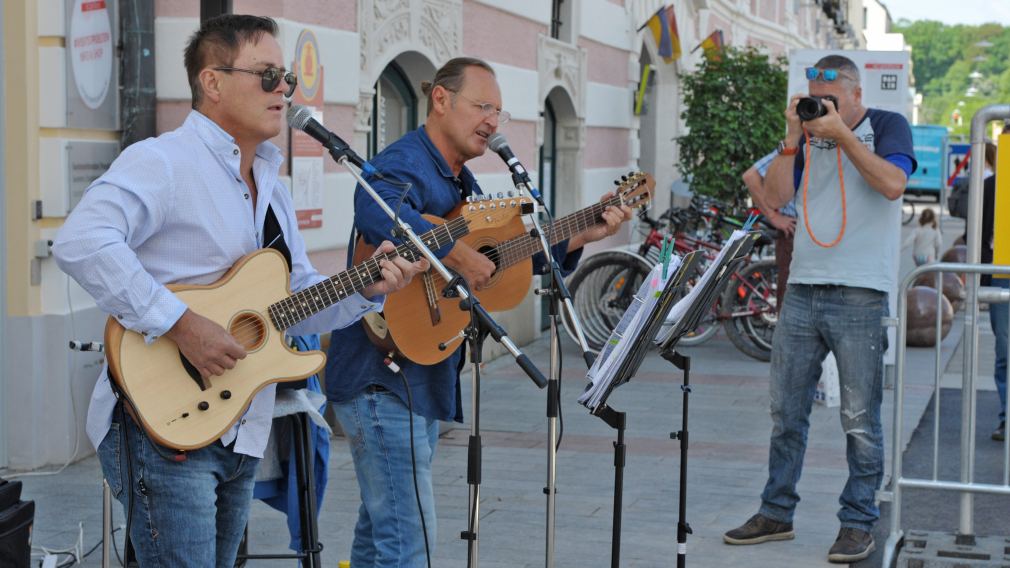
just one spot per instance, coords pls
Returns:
(827, 75)
(269, 78)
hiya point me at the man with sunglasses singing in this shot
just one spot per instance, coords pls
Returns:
(464, 109)
(183, 208)
(847, 167)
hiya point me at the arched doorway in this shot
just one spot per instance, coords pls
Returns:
(560, 164)
(397, 105)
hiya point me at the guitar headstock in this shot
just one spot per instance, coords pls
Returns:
(488, 211)
(635, 189)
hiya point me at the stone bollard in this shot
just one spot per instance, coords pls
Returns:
(957, 253)
(920, 325)
(953, 288)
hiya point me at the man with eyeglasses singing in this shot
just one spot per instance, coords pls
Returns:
(182, 208)
(464, 109)
(847, 167)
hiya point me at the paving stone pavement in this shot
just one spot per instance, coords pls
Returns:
(729, 427)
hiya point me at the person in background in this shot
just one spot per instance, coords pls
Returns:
(783, 219)
(998, 312)
(925, 240)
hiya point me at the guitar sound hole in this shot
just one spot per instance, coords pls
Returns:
(489, 252)
(249, 329)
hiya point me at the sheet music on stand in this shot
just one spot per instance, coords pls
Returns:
(637, 326)
(651, 314)
(678, 312)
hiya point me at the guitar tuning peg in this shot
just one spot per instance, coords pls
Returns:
(624, 178)
(617, 182)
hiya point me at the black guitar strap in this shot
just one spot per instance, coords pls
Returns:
(273, 236)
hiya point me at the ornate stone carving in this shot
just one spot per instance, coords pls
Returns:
(390, 27)
(363, 112)
(562, 64)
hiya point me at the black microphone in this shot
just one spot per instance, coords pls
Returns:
(300, 118)
(498, 144)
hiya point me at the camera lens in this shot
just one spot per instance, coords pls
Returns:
(809, 108)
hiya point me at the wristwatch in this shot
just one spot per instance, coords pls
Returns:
(786, 150)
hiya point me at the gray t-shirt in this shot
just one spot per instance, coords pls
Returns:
(866, 257)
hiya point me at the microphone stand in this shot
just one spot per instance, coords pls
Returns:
(558, 296)
(481, 325)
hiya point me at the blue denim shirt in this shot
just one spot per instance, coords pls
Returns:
(354, 362)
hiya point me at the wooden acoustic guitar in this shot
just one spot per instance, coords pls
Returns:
(253, 301)
(424, 326)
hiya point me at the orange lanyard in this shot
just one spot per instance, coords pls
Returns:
(806, 183)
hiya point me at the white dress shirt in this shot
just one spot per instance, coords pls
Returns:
(175, 209)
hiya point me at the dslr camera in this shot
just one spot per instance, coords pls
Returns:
(810, 108)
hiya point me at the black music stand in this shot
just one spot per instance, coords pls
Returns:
(712, 288)
(641, 344)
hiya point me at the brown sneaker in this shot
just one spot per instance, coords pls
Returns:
(852, 545)
(758, 529)
(999, 434)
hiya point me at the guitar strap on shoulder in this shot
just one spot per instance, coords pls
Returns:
(273, 236)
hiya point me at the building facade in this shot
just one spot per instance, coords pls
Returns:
(569, 72)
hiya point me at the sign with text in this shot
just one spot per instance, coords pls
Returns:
(92, 64)
(883, 75)
(306, 153)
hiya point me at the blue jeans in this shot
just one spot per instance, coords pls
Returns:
(189, 513)
(814, 321)
(998, 319)
(388, 532)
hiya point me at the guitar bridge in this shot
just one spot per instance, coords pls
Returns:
(431, 296)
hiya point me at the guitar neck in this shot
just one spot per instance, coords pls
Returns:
(316, 298)
(524, 246)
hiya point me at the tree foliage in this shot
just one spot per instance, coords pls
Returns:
(944, 59)
(734, 115)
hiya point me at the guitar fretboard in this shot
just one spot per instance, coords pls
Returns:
(318, 297)
(524, 246)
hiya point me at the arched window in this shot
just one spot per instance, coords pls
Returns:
(394, 109)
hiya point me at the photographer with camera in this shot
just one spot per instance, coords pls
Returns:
(847, 166)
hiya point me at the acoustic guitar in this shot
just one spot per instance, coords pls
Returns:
(423, 325)
(253, 301)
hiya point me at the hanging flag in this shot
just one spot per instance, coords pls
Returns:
(712, 46)
(663, 25)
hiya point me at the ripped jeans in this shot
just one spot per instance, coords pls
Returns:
(817, 319)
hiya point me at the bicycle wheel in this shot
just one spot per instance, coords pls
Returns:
(751, 309)
(602, 288)
(907, 211)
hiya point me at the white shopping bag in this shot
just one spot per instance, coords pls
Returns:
(827, 392)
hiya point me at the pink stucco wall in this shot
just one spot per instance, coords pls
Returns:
(500, 36)
(177, 8)
(606, 64)
(522, 139)
(336, 14)
(605, 148)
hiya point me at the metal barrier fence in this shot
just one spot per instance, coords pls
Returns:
(975, 295)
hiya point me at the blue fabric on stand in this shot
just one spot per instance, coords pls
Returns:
(282, 493)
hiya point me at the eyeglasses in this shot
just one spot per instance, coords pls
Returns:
(828, 75)
(487, 109)
(269, 78)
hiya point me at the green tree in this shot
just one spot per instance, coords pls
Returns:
(944, 58)
(734, 115)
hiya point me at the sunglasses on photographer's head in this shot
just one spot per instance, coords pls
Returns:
(825, 75)
(269, 78)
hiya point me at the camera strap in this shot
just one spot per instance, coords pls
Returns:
(806, 184)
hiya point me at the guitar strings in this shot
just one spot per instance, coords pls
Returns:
(367, 273)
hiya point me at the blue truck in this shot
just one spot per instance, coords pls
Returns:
(930, 144)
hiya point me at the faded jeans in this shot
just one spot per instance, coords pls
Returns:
(814, 321)
(185, 514)
(998, 321)
(388, 532)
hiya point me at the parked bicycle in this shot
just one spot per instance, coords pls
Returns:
(605, 283)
